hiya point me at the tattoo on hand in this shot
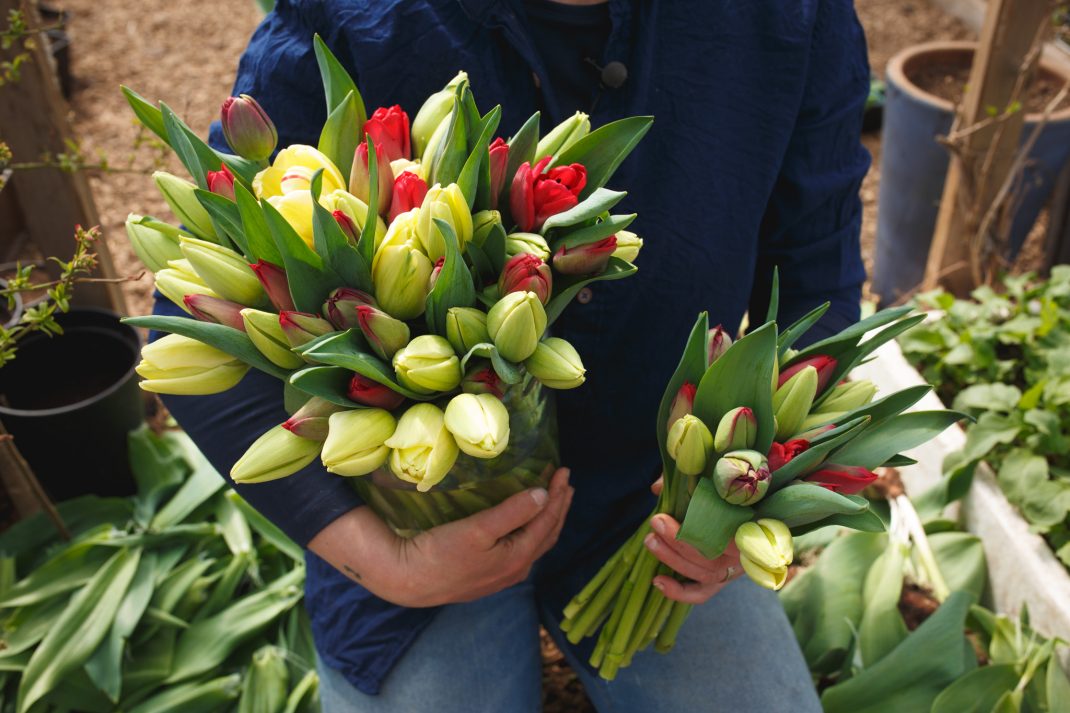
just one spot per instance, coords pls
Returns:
(351, 572)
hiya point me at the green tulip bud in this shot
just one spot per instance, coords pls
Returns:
(792, 402)
(482, 223)
(741, 477)
(154, 241)
(479, 424)
(356, 441)
(563, 135)
(400, 270)
(628, 246)
(267, 336)
(174, 364)
(178, 280)
(436, 109)
(765, 551)
(848, 397)
(556, 364)
(447, 204)
(385, 334)
(422, 449)
(225, 271)
(428, 364)
(465, 328)
(183, 202)
(355, 209)
(311, 420)
(738, 429)
(690, 444)
(301, 328)
(276, 454)
(516, 323)
(527, 244)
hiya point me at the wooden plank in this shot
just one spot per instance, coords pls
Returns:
(1007, 36)
(34, 122)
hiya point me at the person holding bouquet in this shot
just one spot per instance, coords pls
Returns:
(753, 162)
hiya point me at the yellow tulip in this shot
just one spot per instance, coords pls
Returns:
(765, 551)
(355, 442)
(296, 164)
(423, 450)
(179, 365)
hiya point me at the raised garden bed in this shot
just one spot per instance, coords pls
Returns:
(1023, 571)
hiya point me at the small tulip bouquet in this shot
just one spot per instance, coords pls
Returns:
(400, 282)
(759, 443)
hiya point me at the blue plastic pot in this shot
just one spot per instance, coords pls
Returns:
(914, 165)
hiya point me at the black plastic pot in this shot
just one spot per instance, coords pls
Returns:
(70, 401)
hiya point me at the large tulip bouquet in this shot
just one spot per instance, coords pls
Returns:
(759, 443)
(400, 281)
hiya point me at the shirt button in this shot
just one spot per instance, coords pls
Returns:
(584, 296)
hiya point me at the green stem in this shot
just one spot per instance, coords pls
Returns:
(584, 623)
(651, 607)
(591, 587)
(667, 638)
(664, 609)
(637, 586)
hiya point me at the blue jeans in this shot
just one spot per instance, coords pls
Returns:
(736, 653)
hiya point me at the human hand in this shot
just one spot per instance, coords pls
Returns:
(708, 576)
(456, 562)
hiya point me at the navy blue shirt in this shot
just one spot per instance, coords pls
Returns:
(753, 161)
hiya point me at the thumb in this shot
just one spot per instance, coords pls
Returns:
(511, 514)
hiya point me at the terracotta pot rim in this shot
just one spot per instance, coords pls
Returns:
(896, 74)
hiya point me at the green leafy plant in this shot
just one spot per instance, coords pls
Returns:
(180, 598)
(1004, 357)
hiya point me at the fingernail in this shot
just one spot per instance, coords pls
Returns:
(540, 496)
(651, 542)
(568, 474)
(659, 584)
(659, 525)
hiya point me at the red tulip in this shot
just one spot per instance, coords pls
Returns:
(300, 328)
(781, 453)
(214, 309)
(683, 403)
(385, 334)
(341, 306)
(499, 158)
(371, 393)
(526, 273)
(389, 129)
(360, 177)
(483, 380)
(408, 193)
(435, 272)
(589, 259)
(842, 479)
(347, 225)
(273, 278)
(535, 196)
(825, 366)
(247, 128)
(221, 182)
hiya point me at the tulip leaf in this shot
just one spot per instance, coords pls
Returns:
(494, 247)
(454, 287)
(742, 376)
(803, 503)
(849, 337)
(566, 288)
(366, 242)
(224, 338)
(793, 333)
(814, 456)
(882, 627)
(774, 298)
(594, 205)
(255, 228)
(593, 233)
(309, 279)
(1057, 687)
(469, 177)
(337, 84)
(341, 350)
(79, 629)
(690, 368)
(147, 113)
(451, 152)
(711, 523)
(881, 410)
(915, 672)
(978, 690)
(341, 134)
(865, 521)
(330, 383)
(506, 370)
(899, 461)
(961, 559)
(899, 433)
(603, 150)
(224, 213)
(199, 155)
(331, 242)
(521, 150)
(482, 268)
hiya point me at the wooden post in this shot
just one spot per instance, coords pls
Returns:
(1057, 241)
(1007, 36)
(34, 122)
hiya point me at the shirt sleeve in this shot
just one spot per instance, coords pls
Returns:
(810, 230)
